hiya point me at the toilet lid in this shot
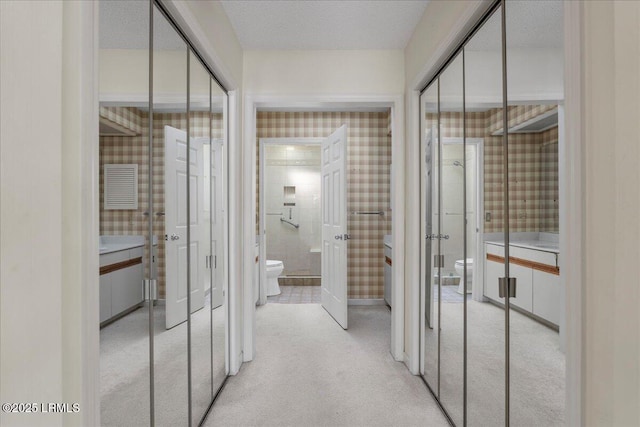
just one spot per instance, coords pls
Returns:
(461, 262)
(273, 263)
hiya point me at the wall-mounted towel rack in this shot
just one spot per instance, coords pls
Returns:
(275, 213)
(290, 223)
(381, 213)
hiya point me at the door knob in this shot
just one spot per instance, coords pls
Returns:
(175, 237)
(338, 236)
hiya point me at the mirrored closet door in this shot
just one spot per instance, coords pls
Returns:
(126, 252)
(492, 297)
(164, 359)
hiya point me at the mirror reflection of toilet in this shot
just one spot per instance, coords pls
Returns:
(274, 269)
(460, 271)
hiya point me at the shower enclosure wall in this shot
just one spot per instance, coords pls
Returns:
(292, 202)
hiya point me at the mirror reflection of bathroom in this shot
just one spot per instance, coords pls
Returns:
(137, 315)
(465, 162)
(124, 214)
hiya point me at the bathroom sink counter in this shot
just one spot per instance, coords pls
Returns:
(109, 244)
(538, 245)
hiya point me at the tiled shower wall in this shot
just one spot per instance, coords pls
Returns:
(529, 173)
(134, 149)
(368, 186)
(300, 170)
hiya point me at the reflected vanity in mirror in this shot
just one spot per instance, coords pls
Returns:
(490, 211)
(163, 341)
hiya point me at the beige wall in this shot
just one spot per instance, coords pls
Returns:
(46, 192)
(434, 27)
(611, 321)
(221, 38)
(334, 72)
(31, 208)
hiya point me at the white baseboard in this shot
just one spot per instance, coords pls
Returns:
(239, 363)
(407, 362)
(366, 301)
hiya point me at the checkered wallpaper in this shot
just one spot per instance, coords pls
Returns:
(126, 117)
(533, 193)
(549, 196)
(118, 149)
(368, 161)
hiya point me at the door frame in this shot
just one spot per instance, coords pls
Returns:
(264, 142)
(478, 267)
(323, 103)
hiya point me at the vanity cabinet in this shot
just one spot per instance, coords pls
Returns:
(387, 275)
(121, 288)
(538, 287)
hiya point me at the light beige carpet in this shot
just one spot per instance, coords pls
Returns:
(308, 371)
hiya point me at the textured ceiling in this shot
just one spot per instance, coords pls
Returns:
(326, 24)
(125, 25)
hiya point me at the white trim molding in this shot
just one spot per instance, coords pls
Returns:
(323, 103)
(572, 221)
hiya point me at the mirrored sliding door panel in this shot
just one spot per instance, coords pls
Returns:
(484, 169)
(125, 248)
(450, 215)
(534, 94)
(217, 203)
(429, 248)
(171, 220)
(200, 238)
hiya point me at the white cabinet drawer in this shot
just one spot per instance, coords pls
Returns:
(541, 257)
(494, 249)
(113, 258)
(136, 252)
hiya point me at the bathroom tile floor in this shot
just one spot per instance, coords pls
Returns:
(297, 295)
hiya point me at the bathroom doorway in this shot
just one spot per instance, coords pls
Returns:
(291, 221)
(369, 200)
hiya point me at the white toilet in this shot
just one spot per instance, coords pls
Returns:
(460, 270)
(274, 269)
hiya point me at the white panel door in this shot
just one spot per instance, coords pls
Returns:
(176, 174)
(334, 225)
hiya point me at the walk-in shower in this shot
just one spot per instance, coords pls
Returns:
(292, 210)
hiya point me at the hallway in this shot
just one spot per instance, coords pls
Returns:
(310, 372)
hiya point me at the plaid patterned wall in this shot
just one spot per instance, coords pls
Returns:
(518, 114)
(529, 173)
(368, 161)
(118, 149)
(549, 195)
(123, 117)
